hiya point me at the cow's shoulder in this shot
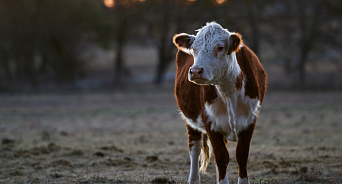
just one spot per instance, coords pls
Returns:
(256, 77)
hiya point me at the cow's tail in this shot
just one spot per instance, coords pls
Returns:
(205, 153)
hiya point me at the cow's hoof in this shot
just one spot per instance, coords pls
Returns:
(243, 181)
(194, 182)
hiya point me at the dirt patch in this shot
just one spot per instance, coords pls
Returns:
(137, 136)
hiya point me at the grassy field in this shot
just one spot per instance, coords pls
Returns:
(137, 136)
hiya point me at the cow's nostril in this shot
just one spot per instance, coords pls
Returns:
(200, 71)
(196, 72)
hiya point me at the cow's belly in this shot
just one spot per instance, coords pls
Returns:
(245, 113)
(218, 115)
(197, 125)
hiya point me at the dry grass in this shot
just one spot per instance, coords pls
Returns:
(137, 136)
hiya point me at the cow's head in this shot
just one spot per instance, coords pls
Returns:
(212, 50)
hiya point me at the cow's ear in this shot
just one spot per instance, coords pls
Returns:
(183, 41)
(234, 42)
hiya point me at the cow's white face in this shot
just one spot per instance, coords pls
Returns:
(211, 49)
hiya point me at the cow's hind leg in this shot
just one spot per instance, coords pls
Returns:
(221, 155)
(195, 143)
(242, 152)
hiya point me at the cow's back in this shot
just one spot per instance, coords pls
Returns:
(190, 97)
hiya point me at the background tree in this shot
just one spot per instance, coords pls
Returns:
(310, 17)
(43, 38)
(125, 16)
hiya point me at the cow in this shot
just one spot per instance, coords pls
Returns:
(219, 88)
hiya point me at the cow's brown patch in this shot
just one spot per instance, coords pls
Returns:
(193, 135)
(242, 109)
(239, 81)
(256, 77)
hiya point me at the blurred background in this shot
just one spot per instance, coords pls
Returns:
(48, 45)
(86, 89)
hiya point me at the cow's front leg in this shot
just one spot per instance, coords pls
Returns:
(195, 144)
(221, 155)
(242, 152)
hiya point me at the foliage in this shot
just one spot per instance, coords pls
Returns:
(42, 38)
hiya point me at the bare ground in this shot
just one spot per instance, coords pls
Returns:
(137, 136)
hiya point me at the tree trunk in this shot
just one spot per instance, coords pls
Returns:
(302, 63)
(6, 66)
(162, 65)
(164, 57)
(254, 24)
(121, 41)
(163, 46)
(119, 64)
(309, 34)
(28, 69)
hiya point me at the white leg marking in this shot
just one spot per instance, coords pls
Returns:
(224, 181)
(243, 181)
(194, 177)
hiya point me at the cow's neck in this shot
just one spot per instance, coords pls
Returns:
(227, 85)
(228, 92)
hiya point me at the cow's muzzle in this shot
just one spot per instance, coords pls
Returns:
(196, 75)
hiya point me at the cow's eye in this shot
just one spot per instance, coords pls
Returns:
(220, 48)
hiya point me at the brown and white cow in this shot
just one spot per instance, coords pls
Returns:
(220, 85)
